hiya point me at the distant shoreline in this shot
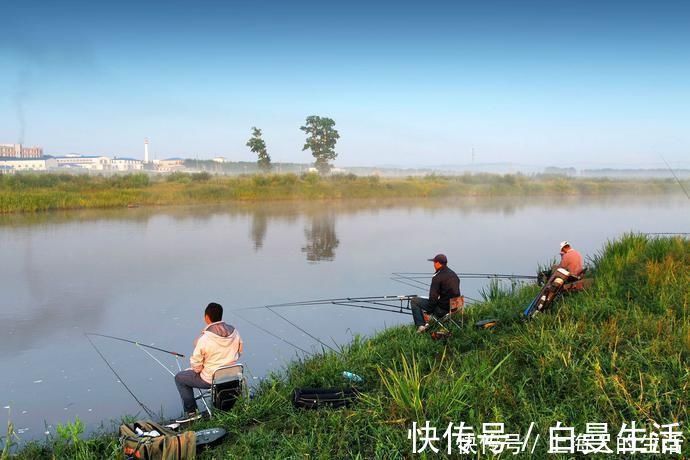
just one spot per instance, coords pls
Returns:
(45, 192)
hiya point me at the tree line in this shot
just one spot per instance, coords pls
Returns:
(321, 139)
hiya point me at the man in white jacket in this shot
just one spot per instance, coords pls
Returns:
(218, 345)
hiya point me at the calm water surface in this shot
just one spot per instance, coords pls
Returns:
(147, 274)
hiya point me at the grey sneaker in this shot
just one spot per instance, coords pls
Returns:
(189, 417)
(423, 328)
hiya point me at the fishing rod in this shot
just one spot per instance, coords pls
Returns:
(148, 411)
(174, 353)
(368, 307)
(676, 177)
(370, 299)
(418, 276)
(143, 347)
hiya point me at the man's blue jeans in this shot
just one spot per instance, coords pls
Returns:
(186, 381)
(418, 305)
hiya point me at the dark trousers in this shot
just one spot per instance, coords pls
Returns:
(186, 381)
(418, 306)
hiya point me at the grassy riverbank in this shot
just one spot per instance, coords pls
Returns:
(617, 353)
(43, 192)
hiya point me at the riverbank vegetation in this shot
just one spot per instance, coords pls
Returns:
(619, 352)
(43, 192)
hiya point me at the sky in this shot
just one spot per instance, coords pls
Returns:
(422, 83)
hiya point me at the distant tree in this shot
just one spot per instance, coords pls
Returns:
(257, 145)
(321, 140)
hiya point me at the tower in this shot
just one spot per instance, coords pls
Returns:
(146, 150)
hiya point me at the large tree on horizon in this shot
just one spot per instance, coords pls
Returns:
(321, 139)
(257, 145)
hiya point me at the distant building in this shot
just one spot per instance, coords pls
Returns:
(19, 151)
(10, 165)
(169, 164)
(11, 150)
(126, 164)
(220, 160)
(97, 163)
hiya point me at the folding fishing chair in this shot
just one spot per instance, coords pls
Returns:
(456, 308)
(227, 385)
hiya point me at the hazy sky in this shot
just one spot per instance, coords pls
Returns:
(408, 83)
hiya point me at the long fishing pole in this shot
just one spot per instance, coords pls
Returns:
(300, 329)
(368, 307)
(676, 177)
(174, 353)
(370, 299)
(148, 411)
(417, 275)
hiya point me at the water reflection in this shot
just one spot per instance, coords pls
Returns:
(259, 228)
(322, 240)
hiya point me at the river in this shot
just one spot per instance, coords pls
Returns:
(147, 275)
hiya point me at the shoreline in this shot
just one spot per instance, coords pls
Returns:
(32, 193)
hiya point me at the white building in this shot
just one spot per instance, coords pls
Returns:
(97, 163)
(126, 164)
(220, 160)
(29, 164)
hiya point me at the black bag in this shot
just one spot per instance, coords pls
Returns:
(225, 395)
(316, 398)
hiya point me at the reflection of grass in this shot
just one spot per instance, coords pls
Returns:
(616, 353)
(34, 192)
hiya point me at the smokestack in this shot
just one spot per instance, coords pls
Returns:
(146, 150)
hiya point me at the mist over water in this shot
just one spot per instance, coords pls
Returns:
(147, 274)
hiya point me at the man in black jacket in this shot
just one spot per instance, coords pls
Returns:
(445, 285)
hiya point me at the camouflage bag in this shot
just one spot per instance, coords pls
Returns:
(139, 441)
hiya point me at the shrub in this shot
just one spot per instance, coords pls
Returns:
(201, 177)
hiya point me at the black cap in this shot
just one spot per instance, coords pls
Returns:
(440, 258)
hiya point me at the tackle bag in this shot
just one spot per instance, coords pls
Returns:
(147, 440)
(317, 398)
(548, 293)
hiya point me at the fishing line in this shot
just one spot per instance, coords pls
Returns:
(676, 177)
(299, 328)
(148, 411)
(156, 359)
(269, 332)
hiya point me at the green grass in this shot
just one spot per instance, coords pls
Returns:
(43, 192)
(619, 352)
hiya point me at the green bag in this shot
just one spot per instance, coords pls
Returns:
(168, 446)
